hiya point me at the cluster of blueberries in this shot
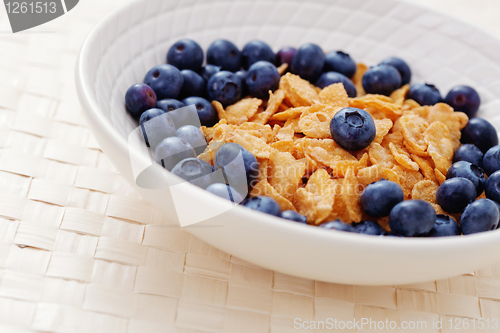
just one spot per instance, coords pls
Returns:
(159, 105)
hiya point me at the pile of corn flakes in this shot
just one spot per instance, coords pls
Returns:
(302, 167)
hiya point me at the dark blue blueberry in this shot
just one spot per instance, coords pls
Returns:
(154, 131)
(368, 228)
(308, 62)
(424, 94)
(225, 191)
(193, 85)
(492, 188)
(329, 78)
(261, 77)
(491, 160)
(171, 151)
(185, 54)
(206, 112)
(225, 87)
(338, 225)
(169, 104)
(381, 79)
(256, 50)
(193, 170)
(194, 136)
(444, 226)
(481, 215)
(340, 62)
(455, 194)
(224, 54)
(285, 55)
(139, 98)
(239, 165)
(242, 74)
(412, 218)
(380, 197)
(293, 216)
(402, 67)
(263, 204)
(469, 153)
(352, 128)
(465, 99)
(470, 171)
(480, 133)
(165, 80)
(208, 70)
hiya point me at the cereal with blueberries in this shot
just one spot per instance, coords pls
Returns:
(316, 138)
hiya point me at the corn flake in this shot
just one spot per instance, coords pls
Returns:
(273, 105)
(241, 111)
(264, 188)
(285, 173)
(334, 95)
(298, 91)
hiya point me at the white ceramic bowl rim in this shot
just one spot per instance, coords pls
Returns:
(435, 245)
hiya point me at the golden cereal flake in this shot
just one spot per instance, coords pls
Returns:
(241, 111)
(273, 104)
(334, 95)
(298, 91)
(316, 199)
(285, 173)
(264, 188)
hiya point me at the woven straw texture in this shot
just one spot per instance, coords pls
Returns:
(81, 252)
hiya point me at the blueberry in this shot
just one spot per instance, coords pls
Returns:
(165, 80)
(240, 173)
(465, 99)
(444, 226)
(261, 77)
(224, 54)
(242, 74)
(424, 94)
(381, 79)
(285, 55)
(193, 170)
(492, 188)
(171, 151)
(225, 87)
(352, 128)
(256, 50)
(455, 194)
(469, 153)
(412, 218)
(308, 62)
(193, 85)
(480, 133)
(470, 171)
(154, 131)
(263, 204)
(337, 225)
(491, 160)
(206, 112)
(329, 78)
(380, 197)
(194, 136)
(139, 98)
(481, 215)
(340, 62)
(368, 228)
(169, 104)
(293, 216)
(186, 54)
(225, 191)
(208, 70)
(402, 67)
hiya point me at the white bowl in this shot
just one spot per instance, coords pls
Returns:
(440, 49)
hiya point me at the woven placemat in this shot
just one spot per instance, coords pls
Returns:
(81, 252)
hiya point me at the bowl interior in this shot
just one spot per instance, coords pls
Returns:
(440, 50)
